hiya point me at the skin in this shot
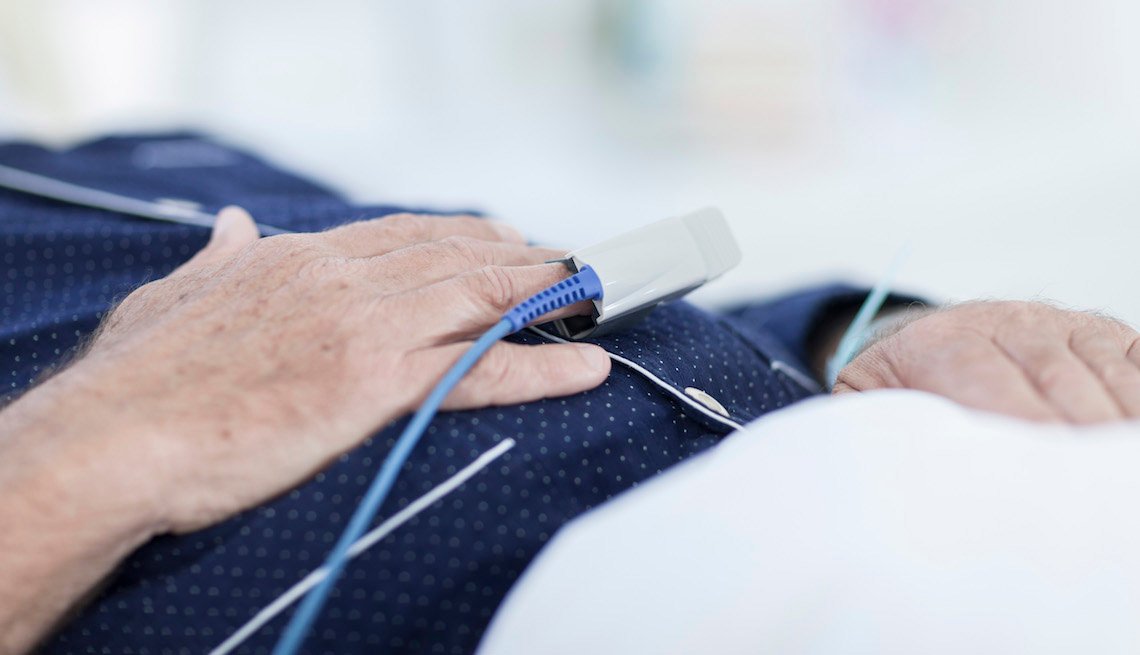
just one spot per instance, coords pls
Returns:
(1025, 359)
(244, 373)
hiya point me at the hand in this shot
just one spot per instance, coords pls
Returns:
(1025, 359)
(258, 362)
(246, 371)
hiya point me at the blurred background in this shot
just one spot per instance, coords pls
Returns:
(1000, 139)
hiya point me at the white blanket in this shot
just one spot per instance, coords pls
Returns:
(890, 522)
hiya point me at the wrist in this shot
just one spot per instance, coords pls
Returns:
(76, 498)
(72, 454)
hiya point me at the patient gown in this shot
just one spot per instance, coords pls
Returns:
(683, 379)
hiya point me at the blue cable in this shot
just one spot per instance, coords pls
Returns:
(583, 285)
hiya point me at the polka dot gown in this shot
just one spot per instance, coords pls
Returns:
(432, 585)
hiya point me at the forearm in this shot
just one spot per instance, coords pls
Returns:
(74, 502)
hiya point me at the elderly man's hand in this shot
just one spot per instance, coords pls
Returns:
(259, 361)
(1025, 359)
(243, 373)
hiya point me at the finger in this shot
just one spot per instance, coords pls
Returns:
(424, 264)
(233, 230)
(1063, 379)
(383, 235)
(1134, 351)
(465, 306)
(988, 379)
(842, 387)
(1107, 357)
(512, 373)
(870, 370)
(973, 372)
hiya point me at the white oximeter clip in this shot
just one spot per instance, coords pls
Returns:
(651, 265)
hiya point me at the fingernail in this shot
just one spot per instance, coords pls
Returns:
(595, 357)
(225, 222)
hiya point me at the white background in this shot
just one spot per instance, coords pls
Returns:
(999, 139)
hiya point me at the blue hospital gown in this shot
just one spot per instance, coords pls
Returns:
(432, 585)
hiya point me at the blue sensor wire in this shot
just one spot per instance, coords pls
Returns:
(584, 285)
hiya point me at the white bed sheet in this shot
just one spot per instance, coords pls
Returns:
(890, 522)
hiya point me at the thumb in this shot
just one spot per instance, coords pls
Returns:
(233, 230)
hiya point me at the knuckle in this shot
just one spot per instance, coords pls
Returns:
(1120, 374)
(399, 218)
(1053, 377)
(549, 364)
(494, 285)
(1024, 312)
(1124, 331)
(406, 226)
(465, 249)
(1086, 337)
(469, 223)
(497, 375)
(345, 232)
(1027, 306)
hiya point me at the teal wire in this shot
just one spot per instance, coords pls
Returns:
(856, 334)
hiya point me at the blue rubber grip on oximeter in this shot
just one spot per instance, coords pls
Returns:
(583, 285)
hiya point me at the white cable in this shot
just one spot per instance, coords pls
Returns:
(797, 375)
(369, 540)
(15, 179)
(668, 388)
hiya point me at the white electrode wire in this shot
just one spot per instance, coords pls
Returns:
(665, 386)
(33, 184)
(800, 378)
(360, 545)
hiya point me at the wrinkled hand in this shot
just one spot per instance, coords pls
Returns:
(259, 361)
(1025, 359)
